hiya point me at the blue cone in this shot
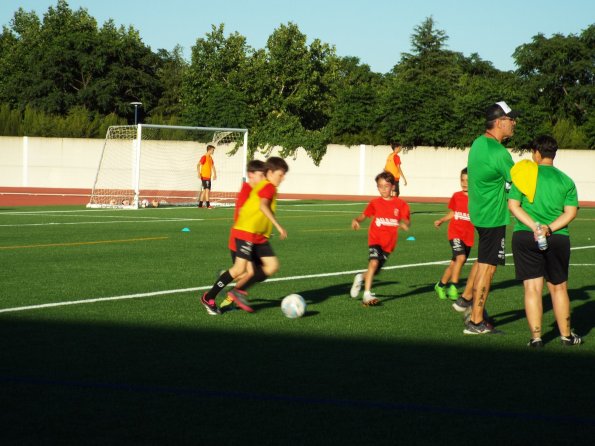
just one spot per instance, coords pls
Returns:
(186, 230)
(411, 238)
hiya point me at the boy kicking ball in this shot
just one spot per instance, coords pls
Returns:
(388, 213)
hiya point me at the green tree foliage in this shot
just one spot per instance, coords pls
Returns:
(63, 75)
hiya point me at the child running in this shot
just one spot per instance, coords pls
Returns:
(388, 213)
(256, 173)
(252, 231)
(461, 238)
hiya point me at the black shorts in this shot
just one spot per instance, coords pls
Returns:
(530, 262)
(206, 184)
(491, 245)
(375, 252)
(459, 248)
(396, 188)
(253, 252)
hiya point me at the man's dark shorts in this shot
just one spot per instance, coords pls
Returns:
(206, 184)
(491, 245)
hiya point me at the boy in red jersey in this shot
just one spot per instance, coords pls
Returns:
(252, 231)
(256, 173)
(206, 173)
(461, 238)
(388, 213)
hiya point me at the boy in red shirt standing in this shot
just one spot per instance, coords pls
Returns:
(206, 173)
(393, 165)
(388, 213)
(461, 238)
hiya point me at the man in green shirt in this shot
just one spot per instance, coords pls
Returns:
(488, 167)
(554, 206)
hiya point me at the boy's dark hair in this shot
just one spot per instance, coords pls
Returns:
(546, 145)
(275, 163)
(386, 176)
(394, 144)
(256, 166)
(464, 171)
(210, 146)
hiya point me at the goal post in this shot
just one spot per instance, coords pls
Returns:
(156, 165)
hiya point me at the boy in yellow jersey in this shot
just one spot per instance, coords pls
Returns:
(393, 165)
(252, 231)
(206, 173)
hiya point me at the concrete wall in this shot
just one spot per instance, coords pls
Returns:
(70, 163)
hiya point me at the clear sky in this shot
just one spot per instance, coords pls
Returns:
(375, 31)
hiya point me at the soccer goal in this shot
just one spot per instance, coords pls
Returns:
(155, 165)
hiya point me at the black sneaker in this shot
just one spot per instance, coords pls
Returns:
(209, 305)
(462, 304)
(477, 329)
(571, 340)
(535, 343)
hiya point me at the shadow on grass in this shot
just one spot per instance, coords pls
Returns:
(69, 383)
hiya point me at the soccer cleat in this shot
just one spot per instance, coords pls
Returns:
(358, 280)
(452, 293)
(209, 305)
(535, 343)
(369, 300)
(226, 303)
(239, 298)
(571, 340)
(440, 291)
(477, 329)
(462, 304)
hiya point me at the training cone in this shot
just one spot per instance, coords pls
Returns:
(411, 238)
(186, 230)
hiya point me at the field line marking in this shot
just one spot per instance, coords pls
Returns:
(208, 287)
(102, 222)
(97, 242)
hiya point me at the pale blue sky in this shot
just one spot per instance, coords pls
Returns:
(375, 31)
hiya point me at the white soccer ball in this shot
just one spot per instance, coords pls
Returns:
(144, 203)
(293, 306)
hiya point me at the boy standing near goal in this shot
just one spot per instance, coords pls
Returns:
(252, 231)
(388, 213)
(393, 165)
(206, 173)
(461, 238)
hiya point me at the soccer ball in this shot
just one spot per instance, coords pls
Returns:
(144, 203)
(293, 306)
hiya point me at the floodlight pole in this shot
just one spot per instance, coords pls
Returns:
(136, 105)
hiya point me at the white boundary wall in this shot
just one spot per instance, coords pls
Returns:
(72, 163)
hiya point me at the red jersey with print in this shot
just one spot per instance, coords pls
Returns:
(460, 225)
(240, 200)
(386, 215)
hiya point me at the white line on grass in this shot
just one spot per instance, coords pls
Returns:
(206, 287)
(103, 222)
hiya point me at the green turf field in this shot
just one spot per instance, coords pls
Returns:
(103, 339)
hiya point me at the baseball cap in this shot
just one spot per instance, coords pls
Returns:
(499, 110)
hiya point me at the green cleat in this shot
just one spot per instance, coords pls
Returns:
(440, 291)
(452, 293)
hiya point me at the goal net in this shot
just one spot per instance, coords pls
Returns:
(155, 165)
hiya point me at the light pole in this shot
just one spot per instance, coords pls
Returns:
(136, 105)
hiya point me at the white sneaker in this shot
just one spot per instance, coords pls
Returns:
(370, 299)
(358, 280)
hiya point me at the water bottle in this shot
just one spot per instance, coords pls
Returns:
(541, 238)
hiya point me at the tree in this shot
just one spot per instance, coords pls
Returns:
(560, 73)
